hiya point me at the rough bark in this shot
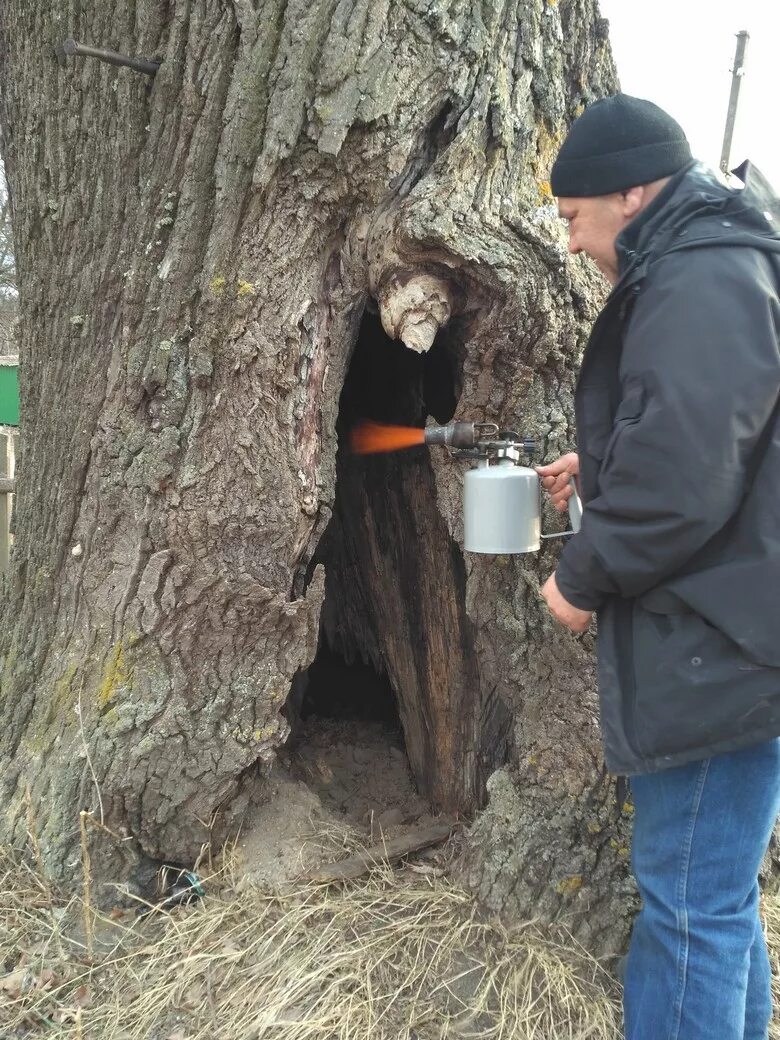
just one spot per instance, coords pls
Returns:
(197, 256)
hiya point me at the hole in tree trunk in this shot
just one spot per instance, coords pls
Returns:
(338, 689)
(395, 585)
(348, 745)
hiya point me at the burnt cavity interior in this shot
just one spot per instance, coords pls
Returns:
(396, 654)
(349, 690)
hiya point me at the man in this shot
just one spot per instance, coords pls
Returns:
(679, 551)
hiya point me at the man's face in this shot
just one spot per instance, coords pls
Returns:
(595, 223)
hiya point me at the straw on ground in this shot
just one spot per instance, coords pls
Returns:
(397, 955)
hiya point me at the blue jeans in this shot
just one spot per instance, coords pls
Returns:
(697, 966)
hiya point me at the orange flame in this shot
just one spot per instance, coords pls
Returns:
(370, 437)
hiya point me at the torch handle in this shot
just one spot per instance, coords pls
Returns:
(575, 507)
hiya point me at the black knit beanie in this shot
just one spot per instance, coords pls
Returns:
(618, 143)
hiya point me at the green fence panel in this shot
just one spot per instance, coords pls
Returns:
(9, 395)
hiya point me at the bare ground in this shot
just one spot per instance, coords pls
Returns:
(342, 784)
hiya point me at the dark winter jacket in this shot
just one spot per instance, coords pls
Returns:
(678, 434)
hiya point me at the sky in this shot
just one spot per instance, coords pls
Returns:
(679, 54)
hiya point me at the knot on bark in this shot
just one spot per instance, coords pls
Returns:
(413, 307)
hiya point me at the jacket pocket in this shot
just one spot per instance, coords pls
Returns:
(737, 590)
(693, 687)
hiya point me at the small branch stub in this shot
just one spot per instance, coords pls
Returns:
(70, 49)
(413, 309)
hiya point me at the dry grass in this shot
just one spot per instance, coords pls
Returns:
(395, 956)
(398, 955)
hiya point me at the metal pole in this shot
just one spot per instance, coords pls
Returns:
(145, 65)
(737, 72)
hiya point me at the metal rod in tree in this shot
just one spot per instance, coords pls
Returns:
(737, 72)
(71, 48)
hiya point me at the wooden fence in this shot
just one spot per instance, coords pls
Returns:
(7, 466)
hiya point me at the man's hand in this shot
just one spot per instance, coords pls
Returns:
(570, 617)
(555, 479)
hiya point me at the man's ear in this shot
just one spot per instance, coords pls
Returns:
(633, 201)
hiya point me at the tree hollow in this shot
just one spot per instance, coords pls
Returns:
(395, 577)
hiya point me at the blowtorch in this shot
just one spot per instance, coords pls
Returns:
(501, 498)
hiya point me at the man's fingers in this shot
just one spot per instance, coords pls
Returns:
(561, 498)
(566, 465)
(556, 479)
(554, 485)
(553, 468)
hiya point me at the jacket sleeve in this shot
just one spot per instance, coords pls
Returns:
(700, 377)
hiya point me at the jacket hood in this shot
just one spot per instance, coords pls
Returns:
(697, 207)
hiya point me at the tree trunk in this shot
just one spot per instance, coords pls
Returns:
(202, 255)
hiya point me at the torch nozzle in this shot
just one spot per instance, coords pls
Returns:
(368, 437)
(453, 435)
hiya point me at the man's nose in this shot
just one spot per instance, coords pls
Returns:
(574, 246)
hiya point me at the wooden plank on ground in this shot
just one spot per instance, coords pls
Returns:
(388, 852)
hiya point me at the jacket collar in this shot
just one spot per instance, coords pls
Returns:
(636, 236)
(690, 212)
